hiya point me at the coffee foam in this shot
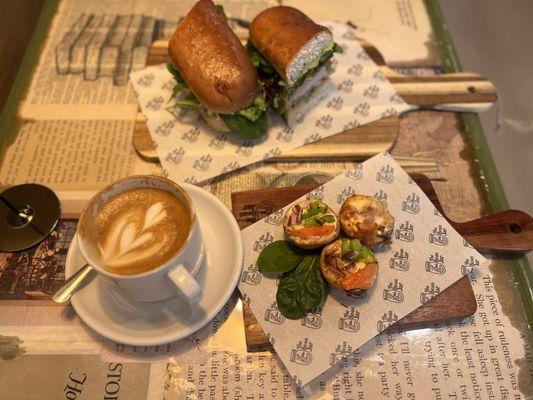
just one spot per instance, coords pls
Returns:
(141, 229)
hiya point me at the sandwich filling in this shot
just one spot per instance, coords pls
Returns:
(250, 122)
(283, 95)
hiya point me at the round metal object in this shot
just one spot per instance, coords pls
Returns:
(28, 214)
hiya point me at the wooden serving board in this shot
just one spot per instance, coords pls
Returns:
(463, 91)
(456, 302)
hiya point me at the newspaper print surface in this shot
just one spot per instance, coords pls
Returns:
(425, 257)
(192, 152)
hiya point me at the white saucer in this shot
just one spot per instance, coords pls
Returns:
(148, 324)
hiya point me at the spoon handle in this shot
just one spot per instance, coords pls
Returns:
(71, 284)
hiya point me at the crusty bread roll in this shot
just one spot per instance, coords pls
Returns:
(289, 40)
(213, 61)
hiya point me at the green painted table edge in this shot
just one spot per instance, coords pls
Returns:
(487, 174)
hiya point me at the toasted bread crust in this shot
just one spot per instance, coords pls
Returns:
(280, 32)
(212, 60)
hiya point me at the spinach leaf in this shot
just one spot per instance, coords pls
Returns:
(301, 289)
(244, 127)
(279, 257)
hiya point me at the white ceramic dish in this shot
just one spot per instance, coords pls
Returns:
(118, 318)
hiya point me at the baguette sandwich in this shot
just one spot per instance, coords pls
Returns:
(292, 55)
(214, 73)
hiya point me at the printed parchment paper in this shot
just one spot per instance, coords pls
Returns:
(426, 256)
(190, 151)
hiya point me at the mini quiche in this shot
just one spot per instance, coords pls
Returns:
(311, 224)
(349, 265)
(367, 219)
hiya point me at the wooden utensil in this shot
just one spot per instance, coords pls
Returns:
(488, 234)
(465, 91)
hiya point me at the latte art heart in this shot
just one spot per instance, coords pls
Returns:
(140, 229)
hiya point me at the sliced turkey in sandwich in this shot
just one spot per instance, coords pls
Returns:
(214, 73)
(292, 55)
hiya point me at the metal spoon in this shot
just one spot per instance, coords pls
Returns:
(72, 284)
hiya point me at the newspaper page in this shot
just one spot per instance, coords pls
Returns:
(73, 155)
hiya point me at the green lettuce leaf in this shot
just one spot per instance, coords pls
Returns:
(244, 127)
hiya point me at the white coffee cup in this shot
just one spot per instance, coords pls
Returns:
(175, 276)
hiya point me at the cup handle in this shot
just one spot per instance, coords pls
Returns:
(186, 284)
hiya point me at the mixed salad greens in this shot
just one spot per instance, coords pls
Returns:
(277, 91)
(250, 122)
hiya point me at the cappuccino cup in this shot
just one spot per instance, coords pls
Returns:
(142, 235)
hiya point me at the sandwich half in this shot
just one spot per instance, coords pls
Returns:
(214, 73)
(292, 55)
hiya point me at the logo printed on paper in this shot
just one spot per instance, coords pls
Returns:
(230, 167)
(312, 138)
(191, 135)
(335, 103)
(379, 76)
(385, 174)
(302, 354)
(203, 163)
(340, 354)
(146, 80)
(435, 264)
(264, 240)
(155, 103)
(276, 218)
(400, 261)
(245, 149)
(346, 192)
(405, 232)
(469, 264)
(218, 142)
(168, 85)
(324, 121)
(345, 86)
(276, 151)
(411, 204)
(271, 339)
(285, 135)
(362, 108)
(317, 193)
(386, 320)
(356, 69)
(351, 125)
(273, 315)
(466, 244)
(313, 319)
(372, 91)
(437, 212)
(349, 322)
(394, 292)
(429, 292)
(165, 128)
(439, 236)
(355, 174)
(396, 98)
(381, 196)
(192, 180)
(389, 112)
(175, 156)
